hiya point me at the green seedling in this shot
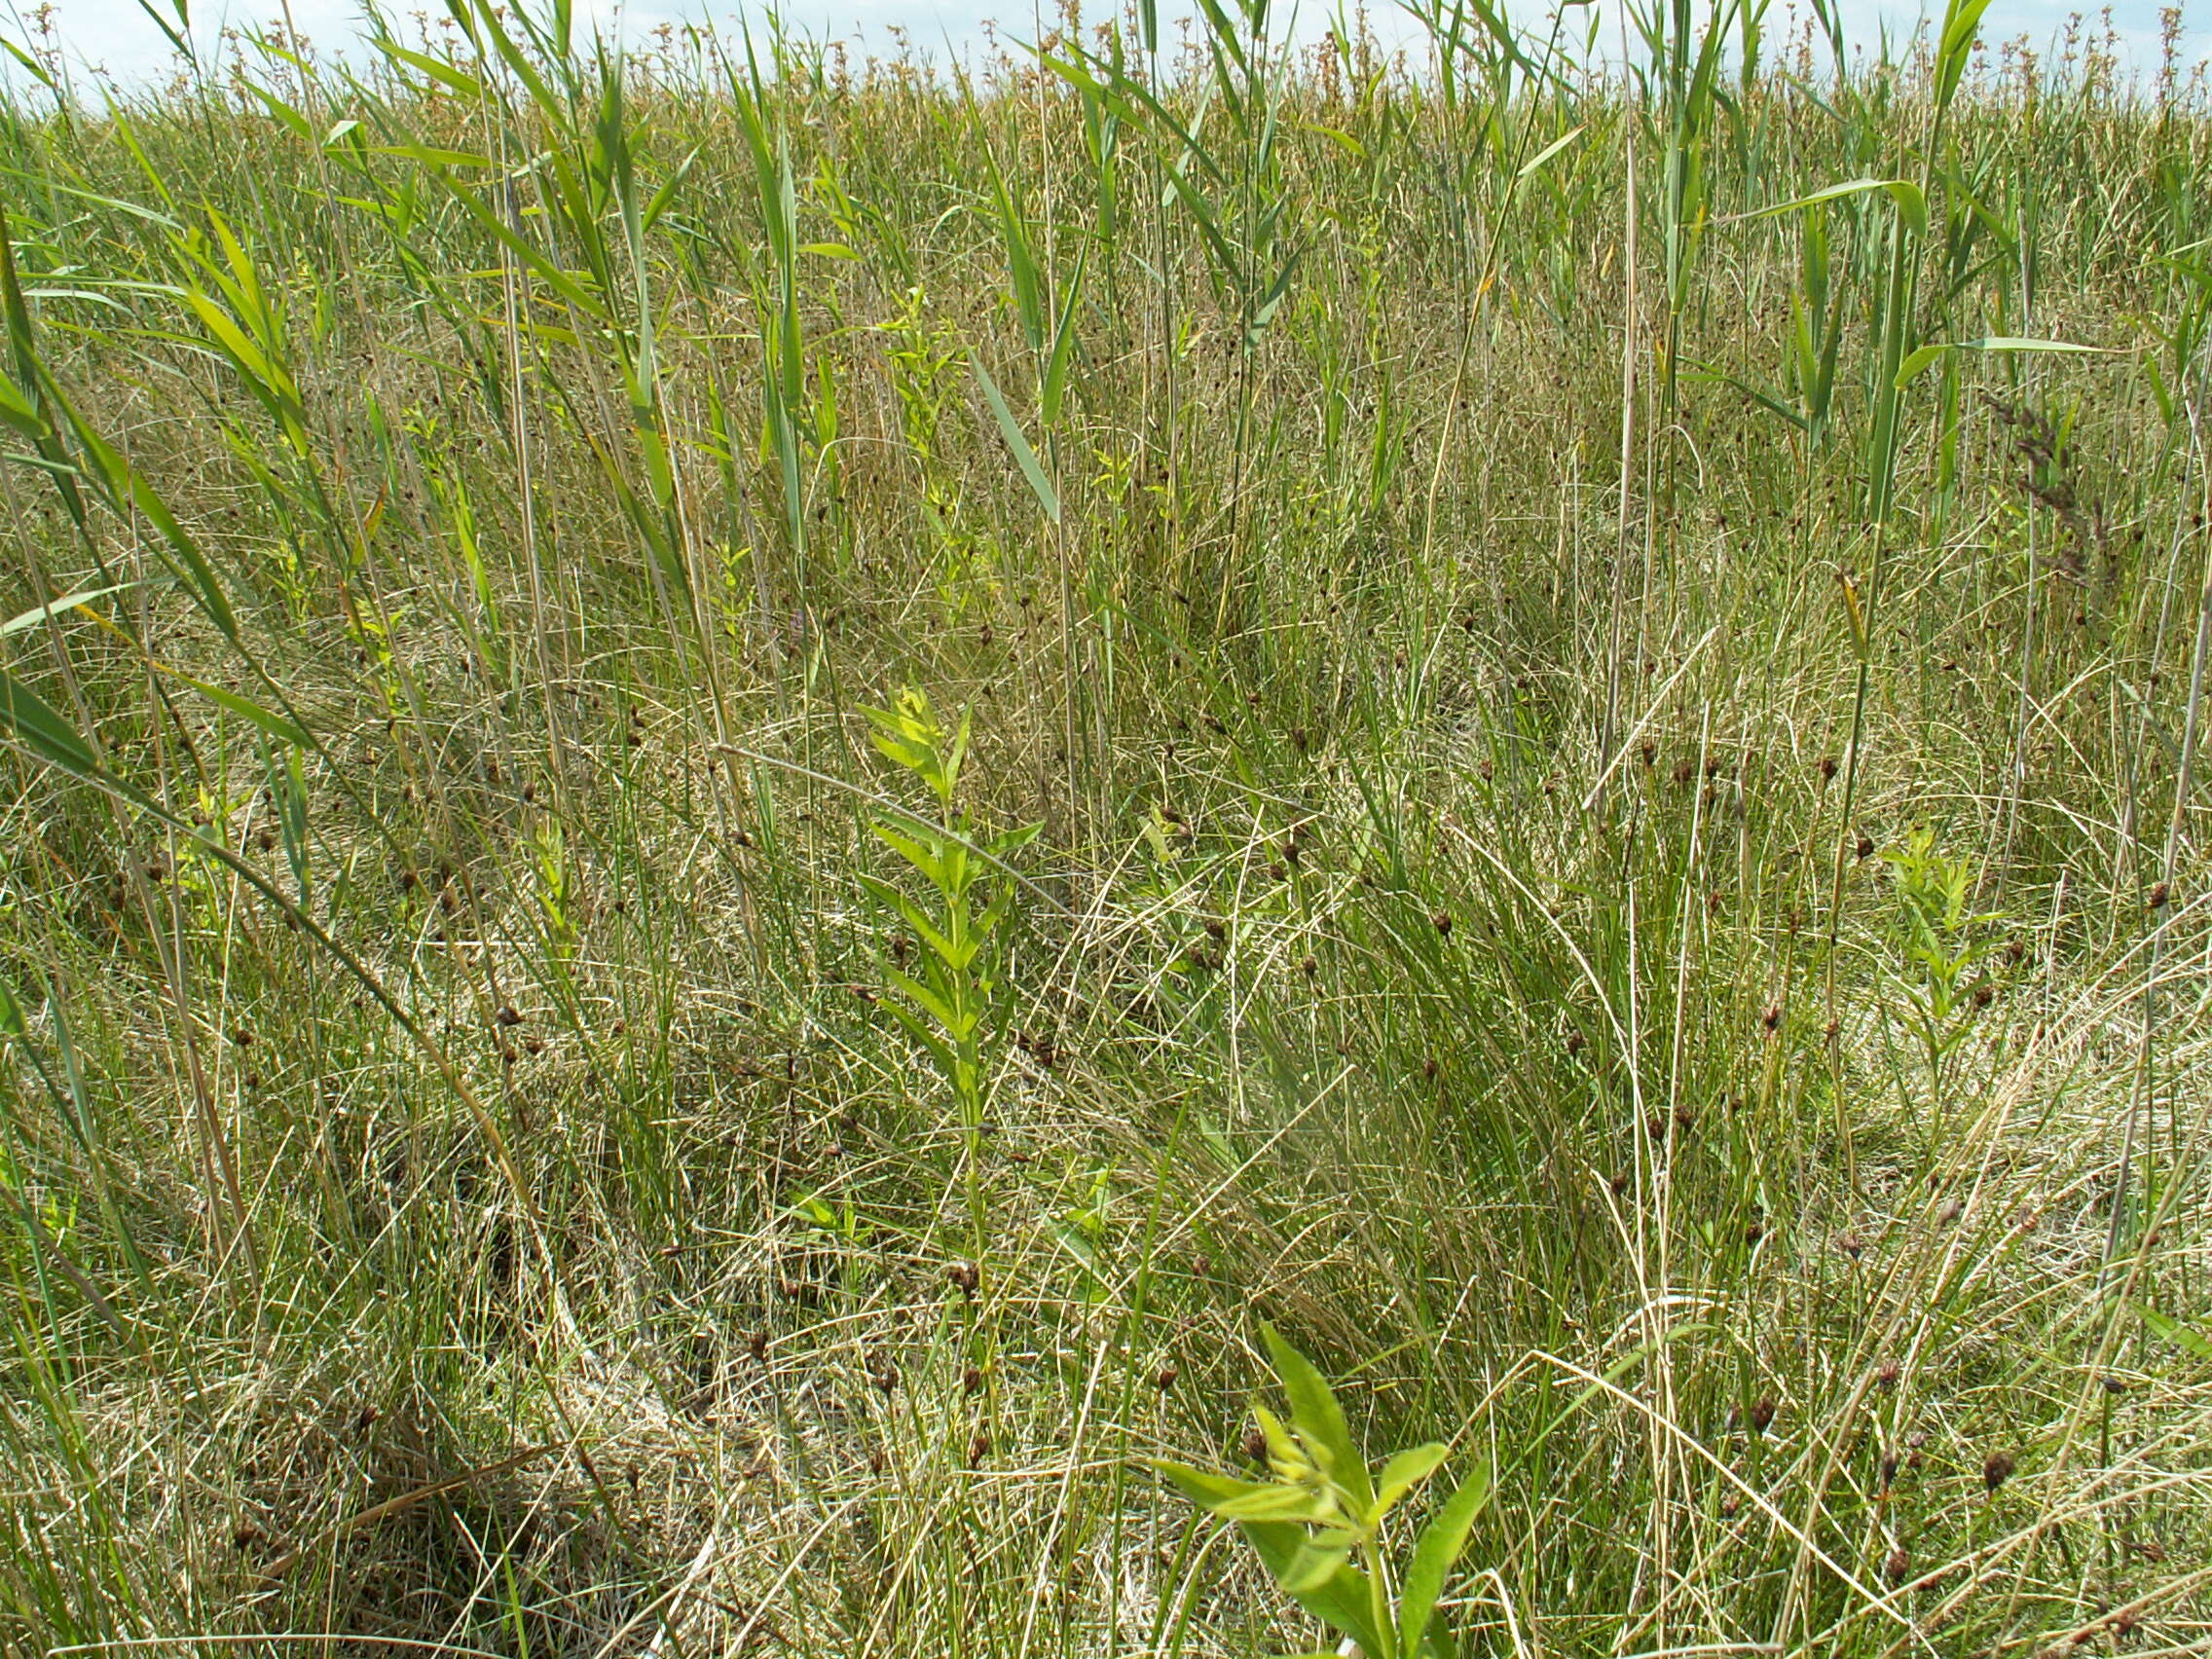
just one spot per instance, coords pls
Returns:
(948, 1003)
(1319, 1522)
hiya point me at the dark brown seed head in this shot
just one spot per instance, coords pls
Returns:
(1985, 994)
(1429, 1069)
(1866, 848)
(885, 1375)
(2159, 895)
(1762, 1413)
(1828, 767)
(1309, 967)
(1575, 1042)
(1216, 928)
(1949, 1211)
(971, 1381)
(1255, 1445)
(1164, 1378)
(1887, 1372)
(1621, 1179)
(1443, 921)
(1997, 1470)
(1851, 1245)
(978, 1449)
(965, 1276)
(877, 1462)
(1889, 1469)
(508, 1017)
(1897, 1567)
(756, 1344)
(1772, 1018)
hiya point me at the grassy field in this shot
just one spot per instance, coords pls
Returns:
(752, 801)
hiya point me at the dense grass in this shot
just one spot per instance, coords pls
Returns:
(1632, 885)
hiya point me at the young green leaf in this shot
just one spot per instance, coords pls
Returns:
(1919, 362)
(1405, 1471)
(1319, 1419)
(1342, 1602)
(2184, 1337)
(1314, 1564)
(1027, 457)
(42, 728)
(1206, 1489)
(1063, 344)
(267, 720)
(1434, 1555)
(1911, 205)
(38, 614)
(1962, 21)
(1283, 1502)
(438, 70)
(1549, 151)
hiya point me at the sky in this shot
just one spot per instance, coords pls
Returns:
(119, 37)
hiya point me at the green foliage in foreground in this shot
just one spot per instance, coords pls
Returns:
(751, 803)
(1324, 1507)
